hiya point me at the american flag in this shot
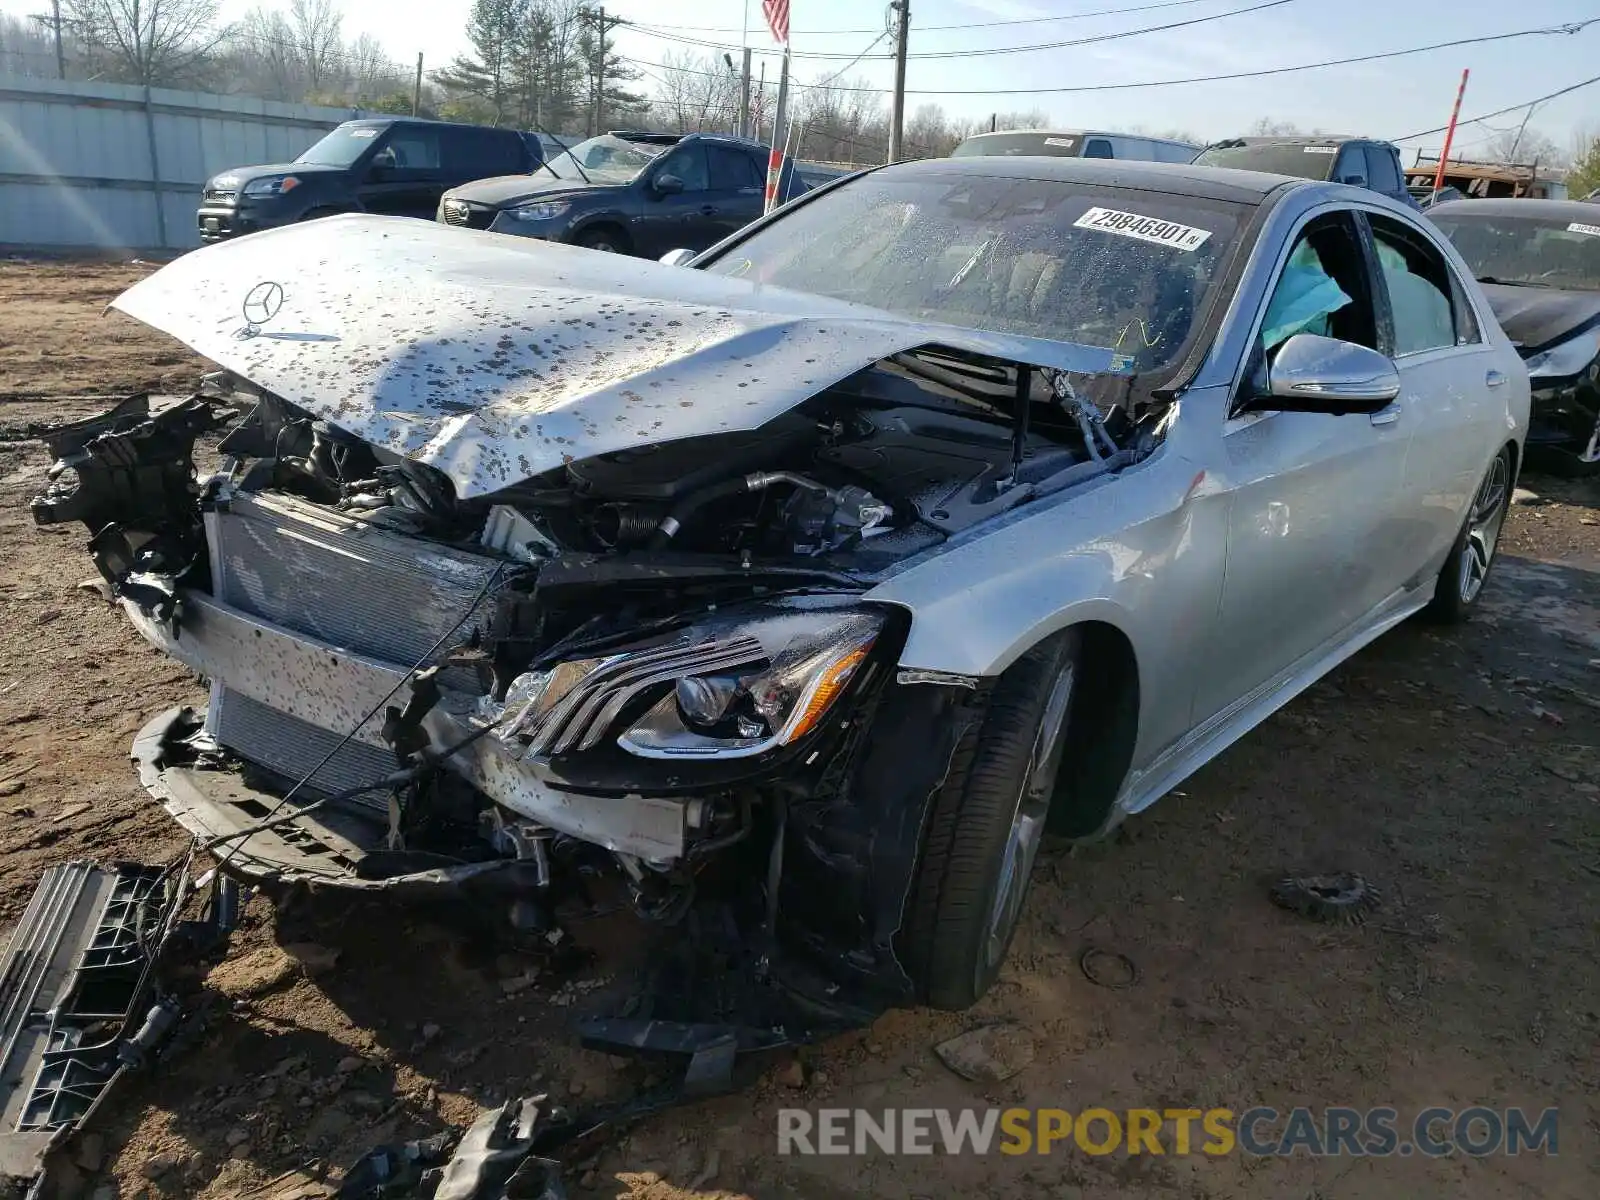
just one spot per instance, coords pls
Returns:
(777, 12)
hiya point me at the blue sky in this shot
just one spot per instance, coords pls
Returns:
(1387, 99)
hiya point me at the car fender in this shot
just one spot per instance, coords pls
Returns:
(1142, 551)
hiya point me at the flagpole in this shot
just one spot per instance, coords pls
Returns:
(780, 131)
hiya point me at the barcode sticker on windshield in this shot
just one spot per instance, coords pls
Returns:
(1579, 227)
(1068, 142)
(1321, 149)
(1146, 229)
(364, 133)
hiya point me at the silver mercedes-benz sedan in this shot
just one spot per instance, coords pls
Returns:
(815, 580)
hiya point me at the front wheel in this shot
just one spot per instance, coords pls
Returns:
(603, 238)
(1466, 569)
(985, 827)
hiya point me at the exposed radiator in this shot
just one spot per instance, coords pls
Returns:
(292, 747)
(356, 586)
(353, 585)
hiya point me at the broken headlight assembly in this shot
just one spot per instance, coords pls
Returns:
(720, 689)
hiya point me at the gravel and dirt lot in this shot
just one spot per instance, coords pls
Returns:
(1458, 770)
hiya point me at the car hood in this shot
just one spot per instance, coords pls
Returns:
(495, 359)
(237, 177)
(1536, 317)
(511, 189)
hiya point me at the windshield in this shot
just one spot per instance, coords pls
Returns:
(1545, 252)
(1107, 267)
(605, 159)
(1275, 158)
(343, 146)
(1061, 145)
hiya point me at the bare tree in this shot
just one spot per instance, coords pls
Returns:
(372, 73)
(1521, 145)
(1267, 127)
(697, 94)
(264, 62)
(152, 42)
(318, 41)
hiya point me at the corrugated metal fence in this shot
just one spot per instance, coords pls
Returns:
(102, 165)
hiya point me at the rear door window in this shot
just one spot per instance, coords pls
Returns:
(1422, 291)
(1097, 148)
(1383, 174)
(732, 170)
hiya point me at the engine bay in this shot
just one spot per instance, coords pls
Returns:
(884, 465)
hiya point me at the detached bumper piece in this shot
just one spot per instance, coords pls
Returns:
(74, 993)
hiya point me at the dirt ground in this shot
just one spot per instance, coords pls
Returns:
(1459, 770)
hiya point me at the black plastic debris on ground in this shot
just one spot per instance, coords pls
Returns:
(76, 983)
(1340, 897)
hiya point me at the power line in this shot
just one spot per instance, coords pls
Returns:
(1500, 112)
(1575, 27)
(655, 31)
(1104, 12)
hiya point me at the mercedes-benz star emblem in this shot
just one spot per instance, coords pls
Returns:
(262, 302)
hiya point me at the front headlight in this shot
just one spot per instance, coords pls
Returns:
(725, 688)
(1566, 358)
(273, 185)
(544, 210)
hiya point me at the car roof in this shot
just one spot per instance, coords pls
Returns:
(374, 122)
(1311, 139)
(1526, 206)
(1209, 183)
(972, 137)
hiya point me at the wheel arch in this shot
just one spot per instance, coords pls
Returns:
(612, 222)
(1102, 730)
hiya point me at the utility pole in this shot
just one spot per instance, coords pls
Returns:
(744, 96)
(897, 122)
(416, 88)
(602, 59)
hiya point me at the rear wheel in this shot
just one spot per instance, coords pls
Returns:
(985, 827)
(1466, 570)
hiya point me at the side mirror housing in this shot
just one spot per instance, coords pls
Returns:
(1324, 375)
(668, 185)
(678, 258)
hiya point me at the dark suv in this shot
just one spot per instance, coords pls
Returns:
(1360, 162)
(390, 165)
(635, 193)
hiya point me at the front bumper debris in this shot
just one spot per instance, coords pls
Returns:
(78, 982)
(332, 689)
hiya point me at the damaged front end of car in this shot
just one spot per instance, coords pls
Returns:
(524, 605)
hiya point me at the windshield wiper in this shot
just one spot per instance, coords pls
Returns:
(545, 163)
(1510, 282)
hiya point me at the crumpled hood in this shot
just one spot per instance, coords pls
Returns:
(507, 189)
(495, 359)
(1536, 317)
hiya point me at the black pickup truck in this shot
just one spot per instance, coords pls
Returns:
(395, 165)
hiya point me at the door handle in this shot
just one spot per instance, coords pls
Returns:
(1386, 416)
(1494, 378)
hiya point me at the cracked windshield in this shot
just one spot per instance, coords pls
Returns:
(1127, 270)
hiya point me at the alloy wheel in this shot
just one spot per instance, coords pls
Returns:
(1483, 529)
(1027, 824)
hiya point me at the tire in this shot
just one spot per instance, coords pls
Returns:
(603, 237)
(1562, 463)
(1467, 567)
(972, 875)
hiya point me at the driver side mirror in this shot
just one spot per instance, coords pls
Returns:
(1324, 375)
(678, 258)
(668, 185)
